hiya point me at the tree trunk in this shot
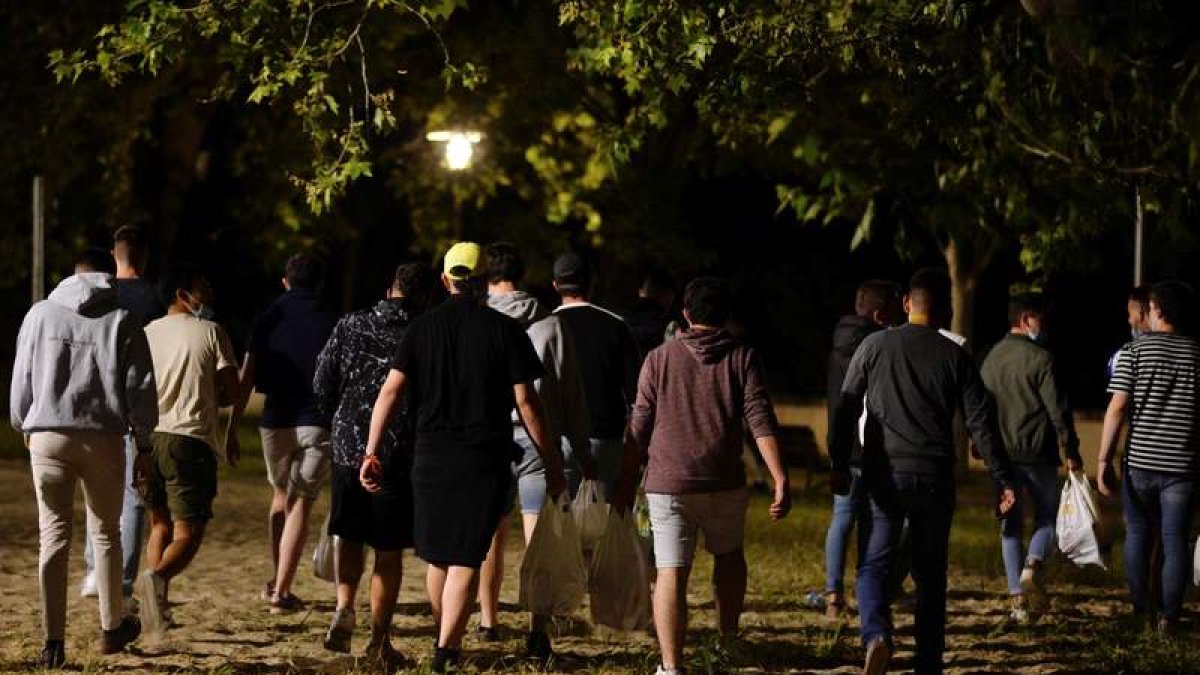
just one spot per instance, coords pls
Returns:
(964, 271)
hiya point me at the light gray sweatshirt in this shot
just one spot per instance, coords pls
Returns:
(83, 364)
(561, 390)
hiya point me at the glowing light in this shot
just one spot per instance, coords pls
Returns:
(460, 147)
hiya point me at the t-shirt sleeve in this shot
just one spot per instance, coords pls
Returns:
(1122, 378)
(224, 349)
(403, 359)
(523, 362)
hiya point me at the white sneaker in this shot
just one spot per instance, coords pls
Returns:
(152, 591)
(667, 671)
(88, 588)
(1020, 611)
(1031, 588)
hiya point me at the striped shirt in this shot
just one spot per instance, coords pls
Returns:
(1160, 373)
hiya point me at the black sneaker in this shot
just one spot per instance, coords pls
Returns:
(445, 659)
(537, 646)
(488, 634)
(879, 653)
(113, 641)
(384, 655)
(53, 656)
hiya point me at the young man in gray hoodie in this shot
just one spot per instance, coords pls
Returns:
(82, 378)
(566, 410)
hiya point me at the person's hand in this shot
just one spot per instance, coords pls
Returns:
(1074, 464)
(371, 473)
(1105, 479)
(783, 501)
(233, 448)
(839, 482)
(556, 481)
(1008, 499)
(141, 471)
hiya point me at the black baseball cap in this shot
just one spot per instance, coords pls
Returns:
(571, 271)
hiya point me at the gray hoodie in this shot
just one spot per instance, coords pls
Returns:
(561, 391)
(83, 364)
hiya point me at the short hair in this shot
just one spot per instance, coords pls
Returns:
(180, 276)
(503, 263)
(1024, 303)
(415, 281)
(130, 241)
(930, 286)
(303, 271)
(876, 295)
(706, 300)
(1174, 300)
(657, 281)
(1141, 295)
(96, 259)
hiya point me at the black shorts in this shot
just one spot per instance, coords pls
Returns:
(382, 520)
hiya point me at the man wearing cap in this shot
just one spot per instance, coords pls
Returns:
(609, 363)
(465, 367)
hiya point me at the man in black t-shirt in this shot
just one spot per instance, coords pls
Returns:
(465, 367)
(609, 363)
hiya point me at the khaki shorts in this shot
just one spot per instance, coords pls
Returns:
(183, 478)
(676, 519)
(297, 459)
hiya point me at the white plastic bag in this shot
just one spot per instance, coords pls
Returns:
(1196, 564)
(553, 576)
(1077, 517)
(324, 555)
(619, 579)
(591, 514)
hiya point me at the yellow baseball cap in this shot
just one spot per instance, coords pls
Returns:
(462, 260)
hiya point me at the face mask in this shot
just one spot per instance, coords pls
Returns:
(1034, 336)
(202, 312)
(1135, 333)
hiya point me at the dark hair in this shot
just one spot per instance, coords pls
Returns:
(304, 271)
(130, 235)
(876, 295)
(179, 277)
(1174, 300)
(96, 259)
(416, 282)
(930, 286)
(503, 263)
(1024, 303)
(1141, 295)
(707, 301)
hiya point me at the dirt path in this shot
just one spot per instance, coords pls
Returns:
(223, 626)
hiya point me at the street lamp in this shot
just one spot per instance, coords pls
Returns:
(460, 146)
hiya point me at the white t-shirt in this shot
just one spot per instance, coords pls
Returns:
(188, 353)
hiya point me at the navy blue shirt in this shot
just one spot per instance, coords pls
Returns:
(140, 298)
(285, 342)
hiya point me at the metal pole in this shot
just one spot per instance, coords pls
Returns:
(1138, 234)
(38, 269)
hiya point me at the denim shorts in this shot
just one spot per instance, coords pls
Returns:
(531, 474)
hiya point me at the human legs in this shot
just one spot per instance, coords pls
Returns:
(54, 479)
(930, 517)
(308, 470)
(675, 536)
(879, 539)
(101, 469)
(385, 590)
(837, 538)
(729, 589)
(1175, 505)
(133, 524)
(491, 576)
(1012, 530)
(670, 613)
(1140, 504)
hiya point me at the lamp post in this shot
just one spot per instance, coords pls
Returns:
(459, 148)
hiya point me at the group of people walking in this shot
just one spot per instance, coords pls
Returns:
(432, 420)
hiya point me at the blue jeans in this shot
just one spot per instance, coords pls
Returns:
(927, 502)
(133, 523)
(1040, 481)
(847, 509)
(1162, 500)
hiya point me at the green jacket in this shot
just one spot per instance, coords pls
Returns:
(1034, 415)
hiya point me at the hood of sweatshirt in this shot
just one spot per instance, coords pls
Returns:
(850, 332)
(519, 305)
(708, 346)
(87, 293)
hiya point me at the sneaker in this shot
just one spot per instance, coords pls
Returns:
(286, 604)
(151, 591)
(663, 670)
(537, 646)
(113, 641)
(1031, 587)
(835, 604)
(1020, 611)
(445, 659)
(53, 656)
(88, 589)
(340, 631)
(878, 655)
(385, 656)
(487, 634)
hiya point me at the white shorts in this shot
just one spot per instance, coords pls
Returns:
(676, 519)
(297, 459)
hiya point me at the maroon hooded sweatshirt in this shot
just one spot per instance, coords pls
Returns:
(694, 395)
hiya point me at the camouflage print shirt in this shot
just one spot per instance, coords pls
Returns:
(350, 371)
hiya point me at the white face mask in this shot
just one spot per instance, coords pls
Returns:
(1033, 335)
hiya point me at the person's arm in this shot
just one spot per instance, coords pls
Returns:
(141, 389)
(980, 418)
(327, 378)
(1114, 420)
(228, 391)
(1054, 398)
(760, 419)
(638, 433)
(847, 410)
(529, 409)
(768, 447)
(20, 392)
(631, 364)
(390, 396)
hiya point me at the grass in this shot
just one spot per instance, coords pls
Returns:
(223, 630)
